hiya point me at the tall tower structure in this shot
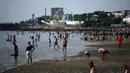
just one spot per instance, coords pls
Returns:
(33, 24)
(33, 17)
(45, 11)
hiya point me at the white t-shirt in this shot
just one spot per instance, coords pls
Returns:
(126, 71)
(92, 70)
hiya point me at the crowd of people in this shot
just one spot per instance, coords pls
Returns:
(93, 35)
(31, 45)
(102, 34)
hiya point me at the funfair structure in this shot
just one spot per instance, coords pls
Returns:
(62, 20)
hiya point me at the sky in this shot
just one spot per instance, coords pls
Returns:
(18, 10)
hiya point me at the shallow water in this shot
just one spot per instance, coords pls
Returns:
(42, 51)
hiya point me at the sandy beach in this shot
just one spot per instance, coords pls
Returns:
(79, 63)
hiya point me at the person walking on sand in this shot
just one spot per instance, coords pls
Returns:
(56, 43)
(119, 42)
(15, 53)
(126, 67)
(29, 50)
(92, 68)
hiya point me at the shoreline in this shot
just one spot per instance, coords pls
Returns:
(79, 63)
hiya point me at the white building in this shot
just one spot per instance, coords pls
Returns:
(118, 14)
(126, 19)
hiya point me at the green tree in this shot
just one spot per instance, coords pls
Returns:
(77, 17)
(83, 17)
(103, 15)
(117, 20)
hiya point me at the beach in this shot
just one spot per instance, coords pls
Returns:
(65, 36)
(43, 50)
(79, 63)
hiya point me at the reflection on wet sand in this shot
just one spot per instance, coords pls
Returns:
(64, 56)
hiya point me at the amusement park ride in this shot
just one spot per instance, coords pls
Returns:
(58, 20)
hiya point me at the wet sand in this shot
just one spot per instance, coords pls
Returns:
(79, 63)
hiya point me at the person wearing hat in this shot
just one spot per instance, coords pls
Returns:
(104, 53)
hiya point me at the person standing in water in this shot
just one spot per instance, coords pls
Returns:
(53, 34)
(33, 41)
(49, 34)
(29, 49)
(15, 53)
(36, 41)
(60, 35)
(65, 44)
(14, 38)
(49, 41)
(39, 37)
(56, 43)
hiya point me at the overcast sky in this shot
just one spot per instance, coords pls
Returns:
(18, 10)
